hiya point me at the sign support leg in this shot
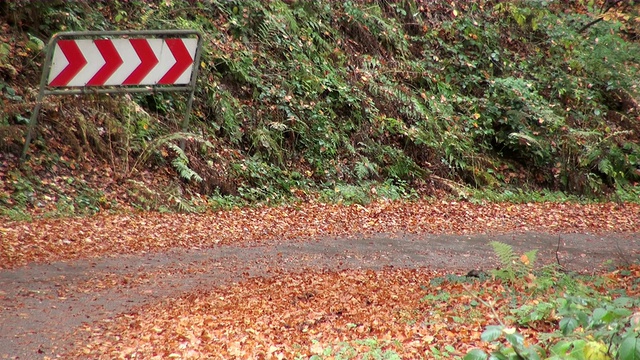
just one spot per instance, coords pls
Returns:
(32, 125)
(185, 122)
(41, 93)
(34, 119)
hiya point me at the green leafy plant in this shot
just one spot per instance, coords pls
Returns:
(529, 314)
(369, 349)
(514, 349)
(446, 352)
(347, 194)
(513, 267)
(181, 161)
(603, 325)
(588, 325)
(181, 164)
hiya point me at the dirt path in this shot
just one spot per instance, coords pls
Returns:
(41, 305)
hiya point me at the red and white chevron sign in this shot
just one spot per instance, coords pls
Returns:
(116, 62)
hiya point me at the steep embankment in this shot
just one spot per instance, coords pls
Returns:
(332, 96)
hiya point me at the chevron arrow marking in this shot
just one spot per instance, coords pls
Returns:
(76, 61)
(148, 61)
(183, 61)
(118, 62)
(112, 62)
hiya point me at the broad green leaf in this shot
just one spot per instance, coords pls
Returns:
(623, 301)
(498, 356)
(529, 353)
(476, 354)
(561, 348)
(577, 352)
(599, 313)
(515, 339)
(491, 333)
(538, 352)
(582, 318)
(533, 355)
(629, 349)
(21, 119)
(567, 325)
(621, 312)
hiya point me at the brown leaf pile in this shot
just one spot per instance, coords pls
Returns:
(296, 314)
(105, 234)
(293, 315)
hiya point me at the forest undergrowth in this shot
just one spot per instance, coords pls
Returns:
(342, 101)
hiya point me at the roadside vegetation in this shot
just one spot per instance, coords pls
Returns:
(345, 101)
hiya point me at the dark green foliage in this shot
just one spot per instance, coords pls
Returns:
(484, 93)
(337, 83)
(43, 18)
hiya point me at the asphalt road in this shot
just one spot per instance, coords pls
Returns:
(43, 305)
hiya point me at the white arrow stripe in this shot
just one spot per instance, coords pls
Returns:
(130, 62)
(95, 61)
(165, 61)
(191, 45)
(58, 63)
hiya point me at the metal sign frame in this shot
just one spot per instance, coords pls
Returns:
(47, 90)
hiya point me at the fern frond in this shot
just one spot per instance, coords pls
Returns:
(181, 164)
(267, 31)
(178, 151)
(167, 139)
(365, 168)
(361, 171)
(531, 256)
(504, 252)
(319, 42)
(183, 205)
(606, 167)
(591, 156)
(529, 140)
(265, 139)
(278, 126)
(183, 169)
(584, 134)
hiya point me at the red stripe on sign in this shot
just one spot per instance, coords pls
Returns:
(183, 61)
(76, 61)
(148, 61)
(112, 62)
